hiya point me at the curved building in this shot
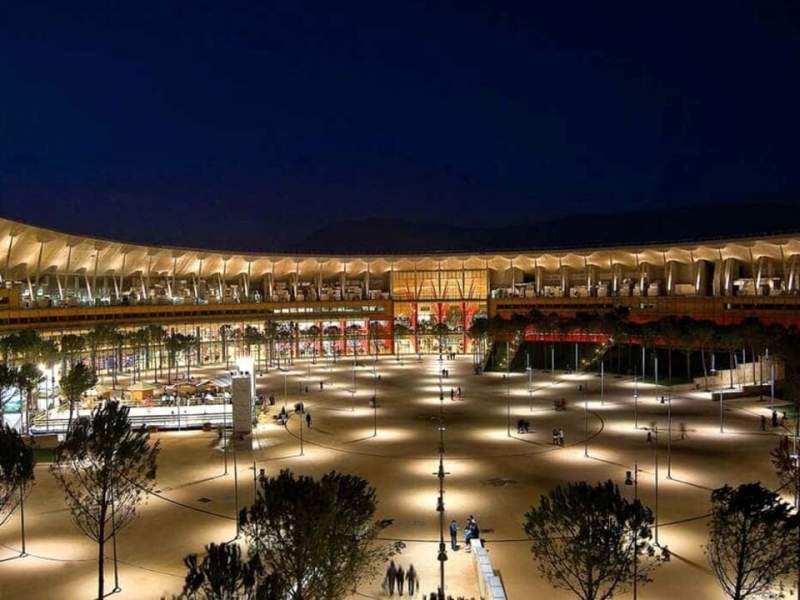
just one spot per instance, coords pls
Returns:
(56, 282)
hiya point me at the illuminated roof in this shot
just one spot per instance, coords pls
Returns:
(27, 250)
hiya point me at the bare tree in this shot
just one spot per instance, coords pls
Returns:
(319, 534)
(106, 469)
(753, 541)
(16, 475)
(592, 541)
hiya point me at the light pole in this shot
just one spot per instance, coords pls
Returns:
(301, 431)
(375, 409)
(602, 381)
(24, 551)
(585, 424)
(669, 416)
(441, 474)
(225, 433)
(508, 405)
(655, 361)
(772, 386)
(654, 441)
(114, 542)
(634, 481)
(635, 400)
(529, 368)
(235, 492)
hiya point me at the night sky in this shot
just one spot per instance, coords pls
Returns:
(201, 122)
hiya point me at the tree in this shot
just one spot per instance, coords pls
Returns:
(332, 333)
(9, 377)
(320, 534)
(591, 540)
(71, 347)
(189, 344)
(74, 384)
(16, 474)
(29, 376)
(106, 469)
(753, 540)
(222, 574)
(174, 343)
(156, 335)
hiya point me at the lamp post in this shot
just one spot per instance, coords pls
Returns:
(114, 542)
(585, 424)
(654, 441)
(441, 474)
(375, 409)
(529, 369)
(508, 404)
(23, 553)
(635, 400)
(669, 416)
(235, 492)
(655, 361)
(301, 431)
(634, 481)
(602, 381)
(225, 433)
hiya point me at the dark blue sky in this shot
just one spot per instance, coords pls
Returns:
(209, 120)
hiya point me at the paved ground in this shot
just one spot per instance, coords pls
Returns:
(493, 476)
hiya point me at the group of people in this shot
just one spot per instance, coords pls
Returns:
(471, 532)
(775, 421)
(397, 577)
(558, 437)
(445, 373)
(523, 426)
(455, 393)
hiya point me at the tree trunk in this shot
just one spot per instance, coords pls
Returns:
(101, 555)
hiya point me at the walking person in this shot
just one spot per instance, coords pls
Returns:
(561, 437)
(774, 419)
(308, 419)
(390, 579)
(763, 423)
(453, 535)
(476, 531)
(555, 437)
(468, 534)
(412, 580)
(401, 578)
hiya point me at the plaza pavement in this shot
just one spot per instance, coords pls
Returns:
(493, 476)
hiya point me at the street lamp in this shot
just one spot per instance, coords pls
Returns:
(669, 418)
(225, 433)
(529, 369)
(653, 439)
(508, 404)
(635, 400)
(585, 424)
(441, 474)
(634, 481)
(301, 430)
(602, 381)
(235, 491)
